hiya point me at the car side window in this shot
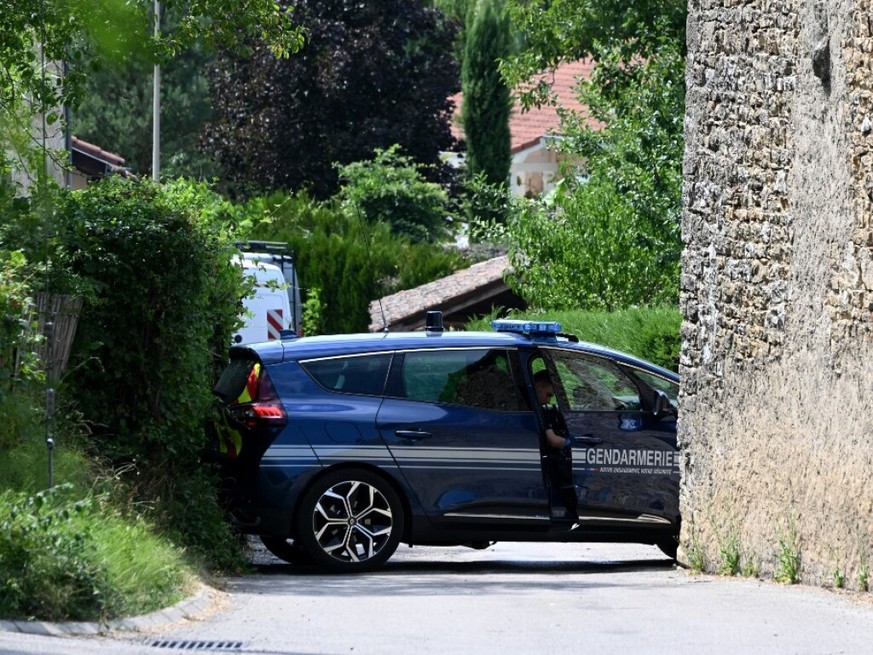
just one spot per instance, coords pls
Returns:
(362, 374)
(593, 384)
(480, 378)
(670, 388)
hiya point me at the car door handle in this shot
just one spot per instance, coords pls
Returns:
(414, 435)
(586, 439)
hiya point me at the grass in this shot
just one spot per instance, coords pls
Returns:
(788, 559)
(751, 569)
(729, 551)
(70, 553)
(839, 578)
(146, 572)
(695, 559)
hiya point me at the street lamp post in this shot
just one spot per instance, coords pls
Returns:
(156, 105)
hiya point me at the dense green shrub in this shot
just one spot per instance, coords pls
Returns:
(390, 189)
(586, 247)
(348, 259)
(47, 560)
(68, 558)
(164, 307)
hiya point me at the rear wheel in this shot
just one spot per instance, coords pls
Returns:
(286, 550)
(350, 521)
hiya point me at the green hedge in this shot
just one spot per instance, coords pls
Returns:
(153, 333)
(348, 259)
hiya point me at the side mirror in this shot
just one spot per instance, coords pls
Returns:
(662, 407)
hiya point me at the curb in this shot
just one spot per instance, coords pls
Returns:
(185, 609)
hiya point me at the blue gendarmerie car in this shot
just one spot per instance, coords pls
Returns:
(336, 449)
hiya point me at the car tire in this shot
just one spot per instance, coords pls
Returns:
(669, 548)
(286, 550)
(350, 521)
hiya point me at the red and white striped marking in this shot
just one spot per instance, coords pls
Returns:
(274, 324)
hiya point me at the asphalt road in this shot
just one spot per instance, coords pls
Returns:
(510, 598)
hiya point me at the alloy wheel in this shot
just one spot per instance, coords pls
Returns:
(352, 521)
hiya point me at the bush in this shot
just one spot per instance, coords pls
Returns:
(165, 305)
(588, 248)
(55, 564)
(389, 189)
(47, 560)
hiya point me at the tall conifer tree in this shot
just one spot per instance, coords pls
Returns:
(486, 104)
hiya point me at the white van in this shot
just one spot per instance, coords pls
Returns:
(268, 314)
(278, 254)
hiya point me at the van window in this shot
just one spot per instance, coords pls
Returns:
(362, 374)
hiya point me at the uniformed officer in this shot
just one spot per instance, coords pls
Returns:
(559, 457)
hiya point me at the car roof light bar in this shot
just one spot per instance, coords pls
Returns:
(532, 328)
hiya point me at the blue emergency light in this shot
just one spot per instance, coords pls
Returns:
(532, 328)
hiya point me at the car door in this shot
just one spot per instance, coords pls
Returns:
(465, 438)
(625, 460)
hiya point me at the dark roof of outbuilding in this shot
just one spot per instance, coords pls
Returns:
(406, 310)
(94, 162)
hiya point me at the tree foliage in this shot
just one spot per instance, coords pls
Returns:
(372, 74)
(86, 34)
(116, 113)
(566, 30)
(486, 105)
(48, 48)
(391, 190)
(609, 237)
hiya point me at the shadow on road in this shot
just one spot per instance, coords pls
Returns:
(426, 574)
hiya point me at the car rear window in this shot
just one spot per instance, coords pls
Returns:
(360, 374)
(233, 379)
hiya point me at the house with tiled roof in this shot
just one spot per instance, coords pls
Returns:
(535, 162)
(478, 290)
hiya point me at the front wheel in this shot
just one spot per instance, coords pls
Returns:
(350, 521)
(286, 550)
(670, 547)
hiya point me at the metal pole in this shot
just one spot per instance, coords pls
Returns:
(50, 398)
(156, 106)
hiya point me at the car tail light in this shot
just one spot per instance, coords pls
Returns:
(264, 408)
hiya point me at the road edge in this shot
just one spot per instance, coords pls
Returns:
(189, 608)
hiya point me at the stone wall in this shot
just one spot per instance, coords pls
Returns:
(776, 424)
